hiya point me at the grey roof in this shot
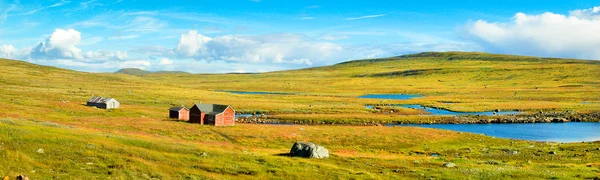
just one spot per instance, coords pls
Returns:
(98, 99)
(177, 108)
(211, 109)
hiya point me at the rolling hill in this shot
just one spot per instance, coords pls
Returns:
(42, 107)
(140, 72)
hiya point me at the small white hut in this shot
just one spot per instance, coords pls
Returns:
(104, 103)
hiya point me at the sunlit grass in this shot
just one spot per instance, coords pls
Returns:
(43, 108)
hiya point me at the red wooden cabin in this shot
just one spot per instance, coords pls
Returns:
(181, 113)
(212, 114)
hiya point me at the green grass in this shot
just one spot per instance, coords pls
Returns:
(252, 151)
(43, 108)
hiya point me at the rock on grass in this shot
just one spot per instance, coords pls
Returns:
(308, 150)
(449, 165)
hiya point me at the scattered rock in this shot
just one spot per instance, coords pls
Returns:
(449, 165)
(203, 154)
(40, 151)
(552, 152)
(308, 150)
(22, 177)
(597, 149)
(560, 120)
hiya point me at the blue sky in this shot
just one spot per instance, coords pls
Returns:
(265, 35)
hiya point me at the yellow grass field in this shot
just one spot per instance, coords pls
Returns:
(44, 108)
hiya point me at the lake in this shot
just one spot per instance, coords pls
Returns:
(249, 115)
(391, 96)
(552, 132)
(444, 112)
(431, 110)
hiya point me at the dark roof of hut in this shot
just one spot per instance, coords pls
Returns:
(211, 109)
(177, 108)
(98, 99)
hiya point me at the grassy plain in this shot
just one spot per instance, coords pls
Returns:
(43, 108)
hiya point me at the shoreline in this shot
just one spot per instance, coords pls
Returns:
(540, 117)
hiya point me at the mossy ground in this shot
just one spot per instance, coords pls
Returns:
(43, 108)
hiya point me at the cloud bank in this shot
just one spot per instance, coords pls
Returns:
(62, 44)
(289, 49)
(574, 35)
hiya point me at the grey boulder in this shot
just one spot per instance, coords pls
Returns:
(308, 150)
(449, 165)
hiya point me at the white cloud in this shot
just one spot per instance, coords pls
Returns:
(104, 55)
(591, 13)
(89, 4)
(366, 17)
(145, 24)
(292, 50)
(240, 71)
(142, 64)
(58, 4)
(4, 15)
(7, 51)
(61, 44)
(127, 37)
(548, 34)
(307, 18)
(192, 43)
(274, 48)
(333, 37)
(165, 61)
(137, 13)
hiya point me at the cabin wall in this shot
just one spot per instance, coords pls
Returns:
(113, 104)
(209, 119)
(98, 105)
(184, 114)
(228, 117)
(196, 116)
(219, 120)
(174, 115)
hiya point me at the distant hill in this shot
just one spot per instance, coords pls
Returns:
(480, 56)
(140, 72)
